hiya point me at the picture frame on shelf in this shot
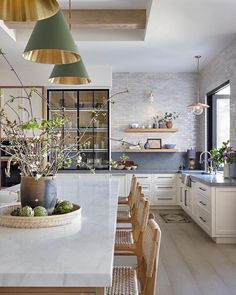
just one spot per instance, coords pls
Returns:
(154, 143)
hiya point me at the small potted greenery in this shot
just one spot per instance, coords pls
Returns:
(169, 118)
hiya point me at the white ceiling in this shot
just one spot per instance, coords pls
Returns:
(177, 30)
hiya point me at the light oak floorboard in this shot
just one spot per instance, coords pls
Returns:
(191, 263)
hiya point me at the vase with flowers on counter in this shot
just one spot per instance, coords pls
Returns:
(223, 157)
(169, 118)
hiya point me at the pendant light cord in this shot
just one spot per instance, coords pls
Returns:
(198, 71)
(70, 15)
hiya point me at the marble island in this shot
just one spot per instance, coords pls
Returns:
(78, 255)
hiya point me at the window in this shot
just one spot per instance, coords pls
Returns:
(219, 116)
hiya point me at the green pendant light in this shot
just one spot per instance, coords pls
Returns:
(51, 42)
(72, 74)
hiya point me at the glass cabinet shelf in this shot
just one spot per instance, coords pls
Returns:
(87, 112)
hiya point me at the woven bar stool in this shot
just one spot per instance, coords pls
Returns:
(126, 214)
(129, 241)
(125, 200)
(126, 280)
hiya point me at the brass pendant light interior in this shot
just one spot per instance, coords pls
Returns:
(51, 42)
(27, 10)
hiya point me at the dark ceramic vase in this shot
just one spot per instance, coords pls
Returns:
(41, 192)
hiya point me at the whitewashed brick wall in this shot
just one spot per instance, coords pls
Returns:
(221, 69)
(172, 92)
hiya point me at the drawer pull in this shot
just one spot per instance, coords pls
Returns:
(202, 189)
(163, 177)
(201, 202)
(167, 187)
(202, 219)
(145, 187)
(164, 199)
(142, 177)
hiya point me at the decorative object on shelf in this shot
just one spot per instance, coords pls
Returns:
(198, 107)
(27, 10)
(161, 123)
(155, 123)
(169, 146)
(72, 74)
(134, 125)
(146, 145)
(224, 156)
(191, 155)
(154, 143)
(51, 42)
(169, 118)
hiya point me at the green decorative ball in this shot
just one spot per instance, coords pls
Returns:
(40, 211)
(64, 207)
(26, 211)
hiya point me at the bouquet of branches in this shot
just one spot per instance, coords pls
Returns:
(37, 145)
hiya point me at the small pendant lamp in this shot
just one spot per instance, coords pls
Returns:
(51, 42)
(198, 107)
(27, 10)
(73, 74)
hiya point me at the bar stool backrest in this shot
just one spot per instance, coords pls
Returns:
(147, 268)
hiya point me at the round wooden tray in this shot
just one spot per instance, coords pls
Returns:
(37, 222)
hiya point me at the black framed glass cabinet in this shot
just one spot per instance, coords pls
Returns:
(87, 112)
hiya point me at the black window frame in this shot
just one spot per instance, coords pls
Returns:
(211, 114)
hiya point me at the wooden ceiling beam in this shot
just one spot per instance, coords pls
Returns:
(99, 19)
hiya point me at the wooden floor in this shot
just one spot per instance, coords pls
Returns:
(191, 263)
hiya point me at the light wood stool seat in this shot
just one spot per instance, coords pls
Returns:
(124, 280)
(123, 200)
(124, 237)
(123, 216)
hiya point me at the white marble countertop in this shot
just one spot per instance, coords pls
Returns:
(78, 255)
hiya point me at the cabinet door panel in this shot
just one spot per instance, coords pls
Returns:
(225, 211)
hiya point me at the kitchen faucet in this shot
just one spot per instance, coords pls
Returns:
(206, 164)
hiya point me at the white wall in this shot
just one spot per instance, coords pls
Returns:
(221, 69)
(172, 92)
(33, 74)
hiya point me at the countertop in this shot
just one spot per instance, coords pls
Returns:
(77, 255)
(212, 179)
(116, 171)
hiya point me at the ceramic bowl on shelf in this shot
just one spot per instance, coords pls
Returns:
(170, 146)
(134, 125)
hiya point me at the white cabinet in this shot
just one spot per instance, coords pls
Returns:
(212, 208)
(160, 189)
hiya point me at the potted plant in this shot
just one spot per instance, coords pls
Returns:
(169, 118)
(224, 156)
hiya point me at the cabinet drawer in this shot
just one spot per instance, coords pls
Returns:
(203, 202)
(165, 178)
(164, 199)
(143, 178)
(165, 188)
(203, 219)
(203, 189)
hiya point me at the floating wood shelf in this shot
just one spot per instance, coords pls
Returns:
(151, 130)
(150, 151)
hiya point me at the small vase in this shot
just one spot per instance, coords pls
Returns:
(226, 170)
(161, 125)
(146, 146)
(155, 125)
(169, 124)
(41, 192)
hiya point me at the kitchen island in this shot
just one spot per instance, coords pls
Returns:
(74, 258)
